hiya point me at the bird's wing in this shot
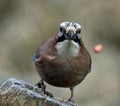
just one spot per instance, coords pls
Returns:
(46, 48)
(36, 54)
(86, 56)
(90, 62)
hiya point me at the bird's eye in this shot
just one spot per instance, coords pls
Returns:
(61, 29)
(78, 31)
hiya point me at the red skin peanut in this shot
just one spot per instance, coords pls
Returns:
(98, 48)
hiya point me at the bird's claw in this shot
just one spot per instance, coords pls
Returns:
(43, 87)
(70, 100)
(48, 94)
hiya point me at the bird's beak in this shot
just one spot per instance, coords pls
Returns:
(70, 35)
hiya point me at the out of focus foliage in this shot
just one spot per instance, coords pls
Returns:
(24, 24)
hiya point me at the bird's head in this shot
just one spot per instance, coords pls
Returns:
(69, 31)
(69, 39)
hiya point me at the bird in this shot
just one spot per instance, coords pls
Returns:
(63, 60)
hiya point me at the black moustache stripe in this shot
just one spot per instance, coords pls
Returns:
(62, 38)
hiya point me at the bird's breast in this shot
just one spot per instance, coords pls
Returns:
(67, 49)
(66, 73)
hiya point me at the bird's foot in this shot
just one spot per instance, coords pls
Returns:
(70, 100)
(49, 94)
(41, 85)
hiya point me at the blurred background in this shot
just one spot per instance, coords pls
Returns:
(24, 24)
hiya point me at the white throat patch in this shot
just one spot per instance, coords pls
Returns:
(67, 49)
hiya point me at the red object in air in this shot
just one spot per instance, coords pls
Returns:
(98, 48)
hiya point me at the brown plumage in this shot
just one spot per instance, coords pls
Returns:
(59, 71)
